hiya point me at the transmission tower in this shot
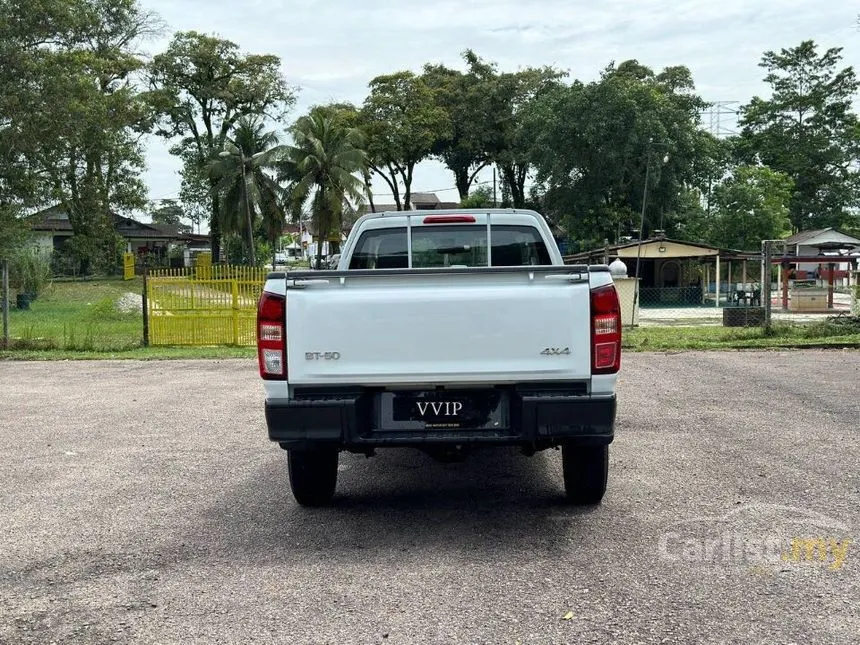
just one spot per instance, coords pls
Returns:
(721, 118)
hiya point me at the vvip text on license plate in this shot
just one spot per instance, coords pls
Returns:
(421, 410)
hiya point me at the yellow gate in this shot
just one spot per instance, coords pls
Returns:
(128, 266)
(215, 306)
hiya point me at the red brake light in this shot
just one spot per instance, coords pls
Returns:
(272, 336)
(605, 330)
(449, 219)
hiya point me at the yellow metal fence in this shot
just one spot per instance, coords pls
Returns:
(203, 305)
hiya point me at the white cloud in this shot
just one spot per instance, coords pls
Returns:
(332, 48)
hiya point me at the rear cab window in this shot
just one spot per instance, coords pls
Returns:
(450, 245)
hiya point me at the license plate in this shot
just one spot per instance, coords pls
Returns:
(444, 409)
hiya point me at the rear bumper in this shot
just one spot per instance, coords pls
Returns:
(537, 419)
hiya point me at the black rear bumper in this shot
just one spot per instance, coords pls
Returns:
(349, 419)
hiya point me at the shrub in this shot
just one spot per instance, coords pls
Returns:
(29, 271)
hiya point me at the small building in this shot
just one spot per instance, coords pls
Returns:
(417, 201)
(834, 247)
(677, 273)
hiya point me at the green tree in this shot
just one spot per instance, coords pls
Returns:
(481, 197)
(402, 123)
(72, 132)
(322, 163)
(595, 144)
(468, 100)
(201, 86)
(170, 213)
(807, 130)
(246, 190)
(514, 95)
(350, 117)
(750, 206)
(14, 231)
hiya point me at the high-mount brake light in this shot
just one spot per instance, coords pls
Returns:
(449, 219)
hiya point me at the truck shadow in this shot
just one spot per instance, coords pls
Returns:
(403, 501)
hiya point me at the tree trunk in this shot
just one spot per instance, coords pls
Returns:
(516, 184)
(463, 182)
(407, 187)
(369, 190)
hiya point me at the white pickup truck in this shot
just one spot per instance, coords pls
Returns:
(443, 331)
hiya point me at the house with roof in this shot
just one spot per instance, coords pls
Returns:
(680, 273)
(834, 247)
(52, 228)
(417, 201)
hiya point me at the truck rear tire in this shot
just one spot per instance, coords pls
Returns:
(313, 475)
(586, 469)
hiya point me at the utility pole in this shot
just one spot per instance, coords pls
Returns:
(5, 304)
(639, 246)
(766, 264)
(495, 203)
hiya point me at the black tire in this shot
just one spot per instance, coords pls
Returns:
(313, 475)
(586, 469)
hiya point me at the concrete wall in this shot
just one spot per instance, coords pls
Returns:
(626, 288)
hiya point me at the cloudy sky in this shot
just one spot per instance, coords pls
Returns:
(330, 49)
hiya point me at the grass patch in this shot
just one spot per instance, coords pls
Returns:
(138, 353)
(78, 316)
(831, 333)
(80, 320)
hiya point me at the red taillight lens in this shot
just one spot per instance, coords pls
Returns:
(449, 219)
(605, 330)
(272, 336)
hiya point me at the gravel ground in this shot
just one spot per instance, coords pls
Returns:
(141, 502)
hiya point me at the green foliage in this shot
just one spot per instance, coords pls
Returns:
(201, 86)
(595, 144)
(14, 231)
(99, 253)
(514, 107)
(74, 127)
(482, 197)
(751, 206)
(402, 123)
(246, 190)
(808, 131)
(170, 213)
(467, 99)
(321, 166)
(29, 271)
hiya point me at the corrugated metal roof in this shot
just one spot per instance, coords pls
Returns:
(802, 236)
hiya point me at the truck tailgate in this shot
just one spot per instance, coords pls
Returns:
(407, 328)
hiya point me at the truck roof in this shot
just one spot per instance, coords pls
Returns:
(445, 211)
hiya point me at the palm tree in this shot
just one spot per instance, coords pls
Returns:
(250, 197)
(320, 167)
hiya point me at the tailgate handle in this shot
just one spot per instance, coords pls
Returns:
(567, 277)
(298, 284)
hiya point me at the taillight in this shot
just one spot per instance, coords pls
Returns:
(605, 330)
(272, 336)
